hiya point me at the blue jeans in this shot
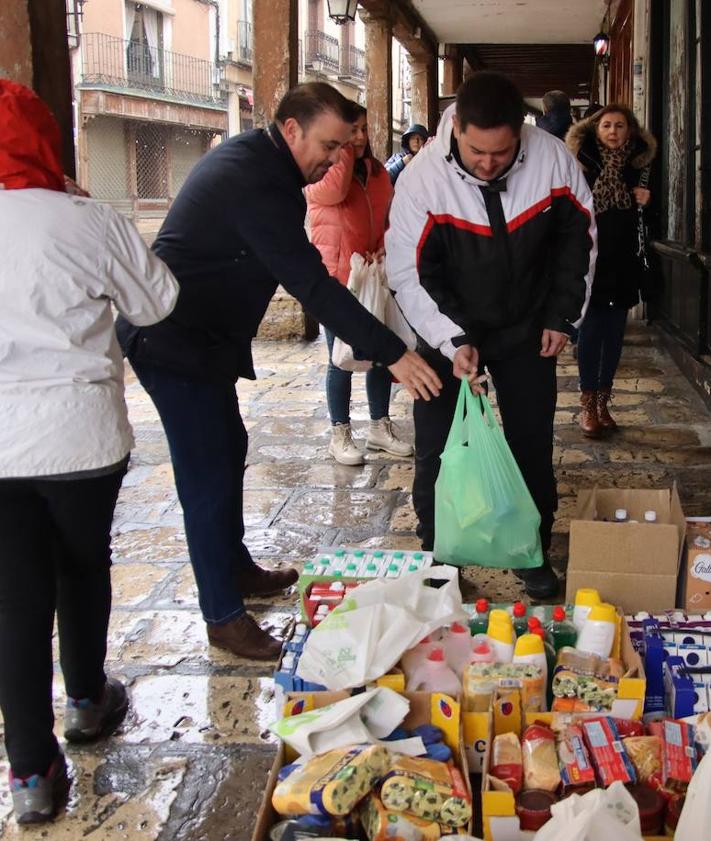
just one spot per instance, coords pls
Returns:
(208, 447)
(338, 389)
(600, 346)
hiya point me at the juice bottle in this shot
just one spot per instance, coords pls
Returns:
(520, 620)
(480, 621)
(560, 631)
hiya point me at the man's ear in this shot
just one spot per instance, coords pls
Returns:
(455, 126)
(291, 130)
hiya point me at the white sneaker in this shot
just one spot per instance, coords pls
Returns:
(342, 447)
(382, 437)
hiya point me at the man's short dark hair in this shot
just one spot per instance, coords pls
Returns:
(489, 100)
(556, 99)
(306, 102)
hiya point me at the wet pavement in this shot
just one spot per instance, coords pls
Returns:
(191, 760)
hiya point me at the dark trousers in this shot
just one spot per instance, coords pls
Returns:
(526, 391)
(55, 555)
(208, 448)
(600, 341)
(338, 389)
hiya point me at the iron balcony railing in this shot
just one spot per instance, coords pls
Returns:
(245, 44)
(321, 51)
(356, 63)
(115, 62)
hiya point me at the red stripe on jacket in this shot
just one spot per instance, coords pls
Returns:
(447, 219)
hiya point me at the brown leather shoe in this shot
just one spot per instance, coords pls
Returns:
(244, 637)
(607, 422)
(588, 419)
(265, 582)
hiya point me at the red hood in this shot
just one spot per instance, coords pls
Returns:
(30, 141)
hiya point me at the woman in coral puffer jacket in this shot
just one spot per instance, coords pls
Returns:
(348, 209)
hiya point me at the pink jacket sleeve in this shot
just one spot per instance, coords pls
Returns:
(333, 187)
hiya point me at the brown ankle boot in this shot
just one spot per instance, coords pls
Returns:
(607, 422)
(265, 582)
(244, 637)
(588, 419)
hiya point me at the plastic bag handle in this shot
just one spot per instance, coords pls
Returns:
(458, 432)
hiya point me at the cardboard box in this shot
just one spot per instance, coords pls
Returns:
(507, 713)
(696, 571)
(425, 708)
(633, 565)
(499, 819)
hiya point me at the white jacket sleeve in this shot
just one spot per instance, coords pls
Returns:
(141, 286)
(408, 222)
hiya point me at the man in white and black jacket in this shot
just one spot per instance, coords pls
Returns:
(491, 251)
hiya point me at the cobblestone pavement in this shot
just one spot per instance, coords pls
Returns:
(191, 760)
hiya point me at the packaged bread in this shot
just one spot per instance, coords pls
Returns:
(647, 755)
(481, 680)
(331, 783)
(381, 824)
(540, 760)
(434, 791)
(507, 761)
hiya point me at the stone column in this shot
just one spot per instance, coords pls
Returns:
(379, 80)
(423, 79)
(276, 54)
(453, 70)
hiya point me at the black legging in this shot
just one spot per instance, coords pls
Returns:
(55, 554)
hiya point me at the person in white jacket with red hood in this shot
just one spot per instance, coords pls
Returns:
(64, 443)
(490, 251)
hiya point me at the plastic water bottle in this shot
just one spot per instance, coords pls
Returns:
(650, 516)
(480, 621)
(621, 515)
(415, 656)
(561, 632)
(458, 647)
(520, 620)
(434, 675)
(585, 599)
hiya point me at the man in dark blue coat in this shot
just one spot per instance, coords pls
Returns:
(234, 233)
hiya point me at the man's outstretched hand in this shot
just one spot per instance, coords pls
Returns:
(416, 375)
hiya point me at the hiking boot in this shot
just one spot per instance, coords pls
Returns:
(342, 447)
(37, 798)
(588, 419)
(605, 419)
(381, 436)
(85, 720)
(539, 582)
(258, 581)
(244, 637)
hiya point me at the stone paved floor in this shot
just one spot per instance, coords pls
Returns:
(191, 760)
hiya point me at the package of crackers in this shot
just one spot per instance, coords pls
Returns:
(607, 752)
(576, 770)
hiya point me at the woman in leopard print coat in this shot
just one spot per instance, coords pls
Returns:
(615, 153)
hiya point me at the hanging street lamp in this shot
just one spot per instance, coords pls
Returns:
(601, 42)
(342, 11)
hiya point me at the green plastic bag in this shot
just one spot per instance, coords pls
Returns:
(484, 513)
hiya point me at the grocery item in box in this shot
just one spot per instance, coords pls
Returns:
(679, 754)
(507, 761)
(584, 682)
(576, 770)
(646, 753)
(428, 789)
(381, 824)
(331, 783)
(607, 752)
(481, 680)
(540, 760)
(651, 807)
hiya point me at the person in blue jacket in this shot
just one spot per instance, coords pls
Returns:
(233, 234)
(412, 141)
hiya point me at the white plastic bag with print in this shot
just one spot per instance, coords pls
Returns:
(367, 634)
(367, 282)
(695, 817)
(599, 815)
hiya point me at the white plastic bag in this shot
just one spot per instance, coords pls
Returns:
(695, 817)
(368, 283)
(599, 815)
(363, 638)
